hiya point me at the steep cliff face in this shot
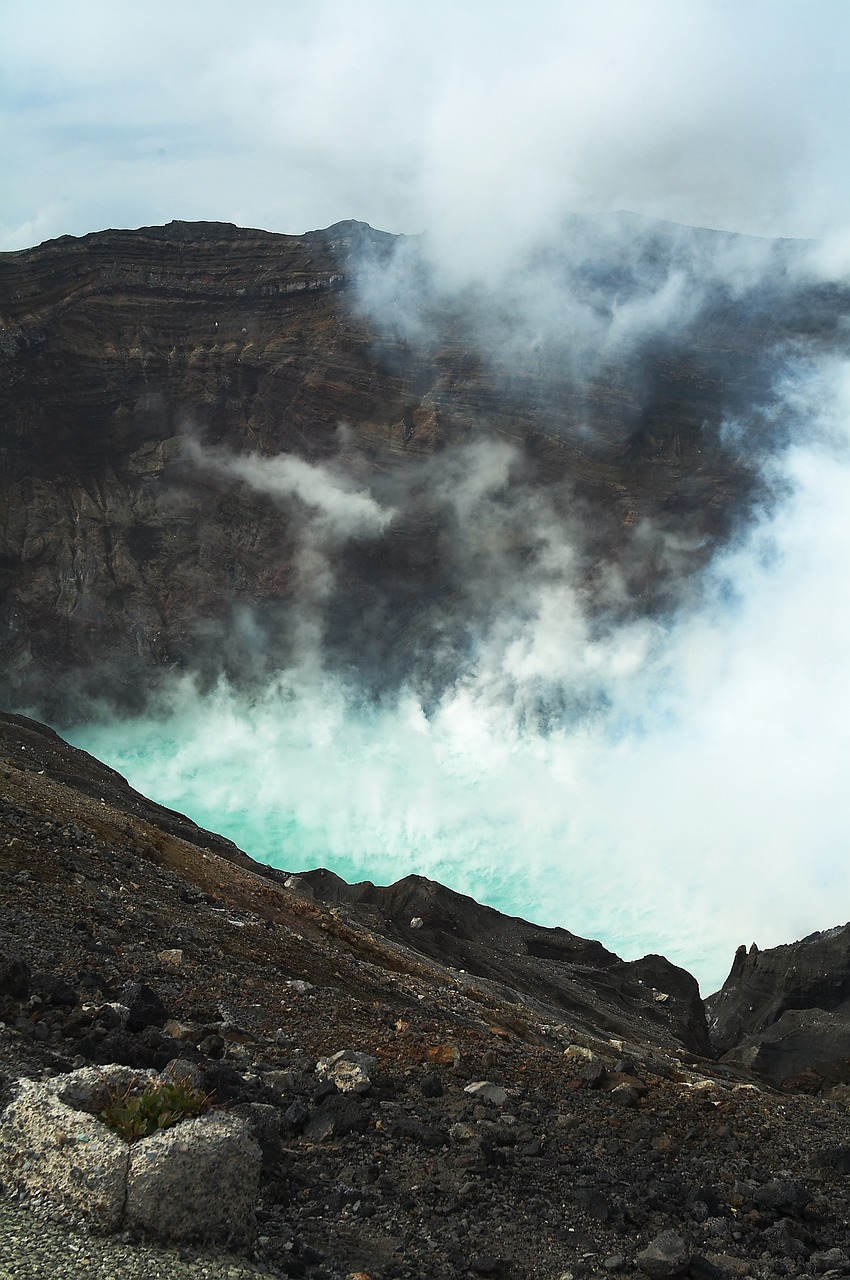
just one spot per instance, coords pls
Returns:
(117, 349)
(785, 1011)
(143, 374)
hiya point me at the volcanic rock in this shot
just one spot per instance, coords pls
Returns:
(558, 1178)
(135, 366)
(786, 1011)
(14, 977)
(64, 1154)
(144, 1007)
(197, 1180)
(665, 1257)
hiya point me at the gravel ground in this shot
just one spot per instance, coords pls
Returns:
(32, 1249)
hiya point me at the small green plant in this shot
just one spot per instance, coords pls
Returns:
(136, 1113)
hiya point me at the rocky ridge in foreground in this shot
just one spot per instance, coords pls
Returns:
(551, 1117)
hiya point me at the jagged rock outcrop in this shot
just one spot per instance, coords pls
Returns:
(136, 365)
(785, 1012)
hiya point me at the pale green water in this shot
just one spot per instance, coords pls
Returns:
(692, 798)
(616, 840)
(305, 781)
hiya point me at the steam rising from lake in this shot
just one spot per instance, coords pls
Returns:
(672, 784)
(666, 777)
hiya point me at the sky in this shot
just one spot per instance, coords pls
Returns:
(481, 121)
(703, 806)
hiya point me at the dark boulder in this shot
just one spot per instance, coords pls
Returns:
(14, 978)
(52, 989)
(145, 1007)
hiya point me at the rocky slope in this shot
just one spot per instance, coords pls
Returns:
(605, 1142)
(138, 368)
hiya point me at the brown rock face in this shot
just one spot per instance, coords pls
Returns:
(118, 348)
(145, 374)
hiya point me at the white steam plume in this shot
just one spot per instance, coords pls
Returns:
(322, 511)
(596, 293)
(695, 801)
(334, 509)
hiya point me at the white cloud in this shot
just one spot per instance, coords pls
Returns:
(482, 122)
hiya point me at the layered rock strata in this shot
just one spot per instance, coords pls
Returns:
(135, 366)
